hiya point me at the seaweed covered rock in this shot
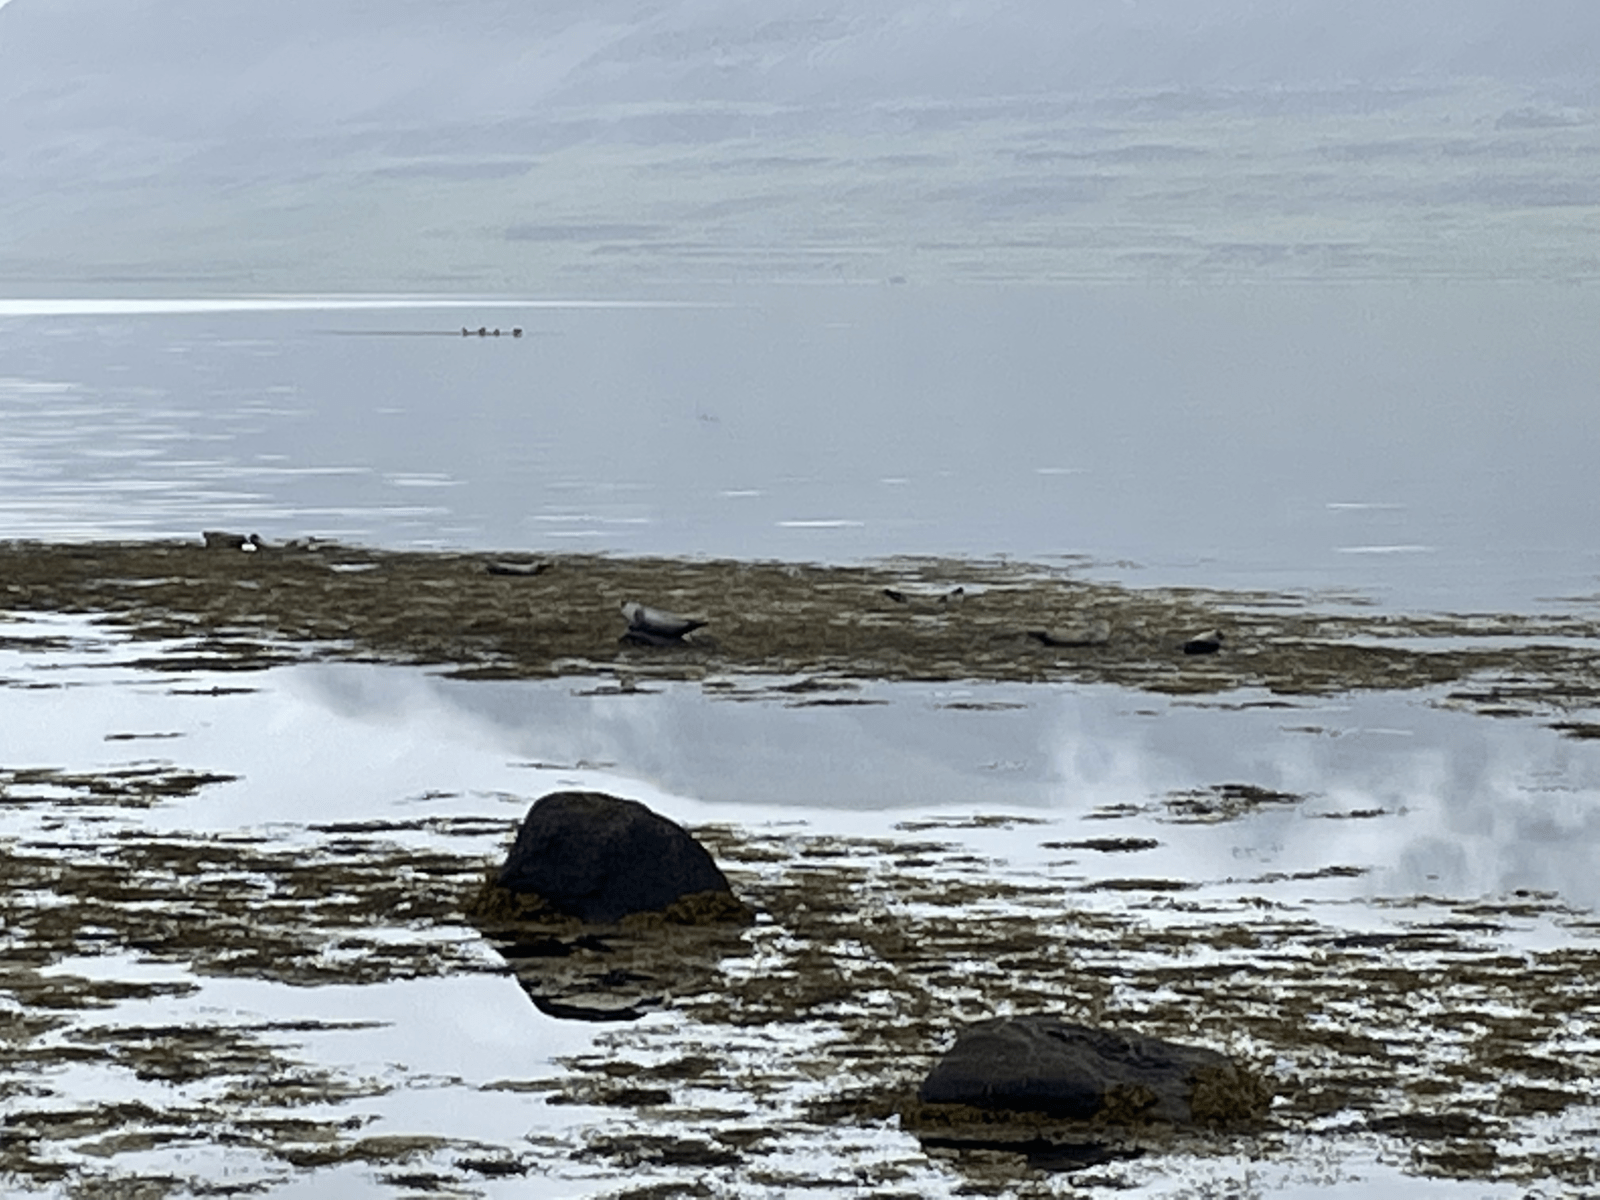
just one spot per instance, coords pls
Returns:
(1053, 1068)
(600, 858)
(583, 859)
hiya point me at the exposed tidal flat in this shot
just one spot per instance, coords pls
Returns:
(245, 799)
(483, 616)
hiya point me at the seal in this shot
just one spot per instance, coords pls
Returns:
(221, 539)
(943, 599)
(657, 623)
(501, 567)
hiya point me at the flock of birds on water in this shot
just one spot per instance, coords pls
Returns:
(649, 626)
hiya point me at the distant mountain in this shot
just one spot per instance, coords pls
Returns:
(191, 66)
(505, 144)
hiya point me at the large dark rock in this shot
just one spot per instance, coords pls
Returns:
(599, 858)
(1039, 1064)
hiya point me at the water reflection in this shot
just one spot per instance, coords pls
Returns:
(1113, 841)
(1432, 800)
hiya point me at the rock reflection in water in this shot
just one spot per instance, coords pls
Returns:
(614, 974)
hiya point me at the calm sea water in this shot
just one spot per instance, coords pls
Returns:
(1431, 447)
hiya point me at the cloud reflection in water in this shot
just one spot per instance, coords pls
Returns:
(1433, 801)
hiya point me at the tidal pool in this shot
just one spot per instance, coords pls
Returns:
(236, 961)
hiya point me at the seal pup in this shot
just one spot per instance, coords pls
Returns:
(1204, 643)
(655, 626)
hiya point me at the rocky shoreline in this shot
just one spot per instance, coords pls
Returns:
(486, 616)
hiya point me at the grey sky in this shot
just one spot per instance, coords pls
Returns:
(354, 143)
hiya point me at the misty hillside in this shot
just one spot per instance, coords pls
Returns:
(176, 65)
(324, 136)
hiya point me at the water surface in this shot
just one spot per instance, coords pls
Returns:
(1429, 447)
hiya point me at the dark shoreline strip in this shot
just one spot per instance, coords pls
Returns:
(332, 601)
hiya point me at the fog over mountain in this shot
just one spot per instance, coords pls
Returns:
(485, 143)
(180, 65)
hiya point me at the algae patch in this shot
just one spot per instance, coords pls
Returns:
(831, 625)
(1408, 1021)
(124, 787)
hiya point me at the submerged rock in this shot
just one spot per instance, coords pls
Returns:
(599, 858)
(1053, 1068)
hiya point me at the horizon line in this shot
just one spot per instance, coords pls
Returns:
(105, 306)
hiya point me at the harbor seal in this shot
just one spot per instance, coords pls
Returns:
(1204, 643)
(656, 623)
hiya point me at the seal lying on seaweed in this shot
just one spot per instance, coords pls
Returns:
(655, 626)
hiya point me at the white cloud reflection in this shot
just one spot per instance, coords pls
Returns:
(1430, 801)
(1469, 805)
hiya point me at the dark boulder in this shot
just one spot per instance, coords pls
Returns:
(1039, 1064)
(599, 858)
